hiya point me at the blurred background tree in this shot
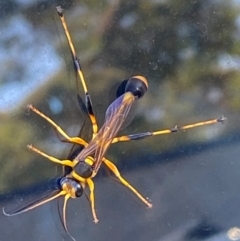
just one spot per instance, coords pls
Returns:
(188, 50)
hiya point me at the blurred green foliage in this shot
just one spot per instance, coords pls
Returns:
(183, 47)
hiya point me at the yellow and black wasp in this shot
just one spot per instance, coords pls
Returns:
(80, 168)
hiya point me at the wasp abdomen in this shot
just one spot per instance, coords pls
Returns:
(137, 85)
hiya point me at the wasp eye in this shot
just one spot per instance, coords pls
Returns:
(78, 190)
(71, 186)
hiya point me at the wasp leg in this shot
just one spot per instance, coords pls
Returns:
(76, 62)
(76, 140)
(143, 135)
(51, 158)
(91, 198)
(114, 169)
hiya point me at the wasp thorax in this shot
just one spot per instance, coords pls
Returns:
(137, 85)
(71, 187)
(83, 169)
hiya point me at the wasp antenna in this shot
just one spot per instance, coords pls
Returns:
(35, 204)
(64, 220)
(6, 214)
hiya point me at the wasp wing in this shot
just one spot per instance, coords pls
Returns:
(114, 118)
(36, 196)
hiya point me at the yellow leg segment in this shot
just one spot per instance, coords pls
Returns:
(114, 169)
(77, 65)
(143, 135)
(92, 201)
(76, 140)
(51, 158)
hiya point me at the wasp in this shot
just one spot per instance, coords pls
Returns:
(83, 166)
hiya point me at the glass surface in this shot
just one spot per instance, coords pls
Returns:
(188, 51)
